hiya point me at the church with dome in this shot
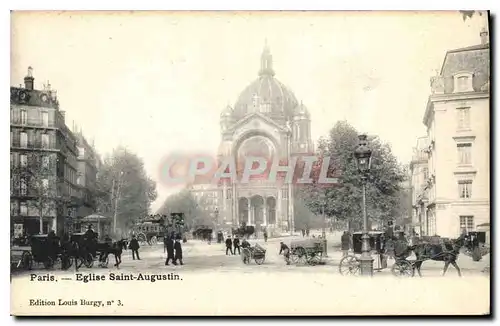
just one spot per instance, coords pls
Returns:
(268, 121)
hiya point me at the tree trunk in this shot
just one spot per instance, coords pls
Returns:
(41, 217)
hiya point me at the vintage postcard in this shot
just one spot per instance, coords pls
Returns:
(250, 163)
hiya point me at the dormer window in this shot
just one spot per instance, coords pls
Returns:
(463, 82)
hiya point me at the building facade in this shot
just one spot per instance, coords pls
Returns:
(266, 121)
(419, 176)
(86, 179)
(208, 198)
(43, 158)
(457, 120)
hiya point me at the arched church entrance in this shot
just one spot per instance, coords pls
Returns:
(257, 207)
(271, 210)
(243, 210)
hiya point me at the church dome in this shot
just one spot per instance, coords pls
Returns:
(266, 94)
(301, 112)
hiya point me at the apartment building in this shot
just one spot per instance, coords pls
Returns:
(458, 143)
(44, 194)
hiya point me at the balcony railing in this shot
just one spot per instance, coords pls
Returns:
(33, 122)
(420, 156)
(34, 144)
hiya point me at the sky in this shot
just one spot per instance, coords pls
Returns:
(156, 82)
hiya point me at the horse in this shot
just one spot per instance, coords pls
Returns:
(436, 252)
(116, 249)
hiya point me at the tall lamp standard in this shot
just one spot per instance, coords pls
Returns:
(363, 156)
(117, 196)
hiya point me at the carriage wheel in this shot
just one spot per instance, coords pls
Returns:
(48, 263)
(153, 241)
(26, 261)
(402, 268)
(245, 255)
(88, 260)
(260, 260)
(315, 259)
(301, 255)
(294, 259)
(349, 265)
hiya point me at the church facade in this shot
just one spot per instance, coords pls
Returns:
(266, 121)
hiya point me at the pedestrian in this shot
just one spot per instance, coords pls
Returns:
(229, 245)
(303, 233)
(236, 244)
(170, 250)
(265, 236)
(165, 241)
(134, 246)
(286, 252)
(178, 252)
(345, 242)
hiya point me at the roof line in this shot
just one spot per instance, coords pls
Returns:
(463, 49)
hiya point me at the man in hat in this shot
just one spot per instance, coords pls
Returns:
(345, 242)
(170, 250)
(134, 246)
(236, 244)
(178, 252)
(229, 245)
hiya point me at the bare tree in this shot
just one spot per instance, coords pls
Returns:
(35, 179)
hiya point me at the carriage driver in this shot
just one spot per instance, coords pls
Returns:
(89, 234)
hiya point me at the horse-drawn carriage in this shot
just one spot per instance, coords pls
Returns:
(244, 231)
(90, 250)
(150, 230)
(256, 252)
(85, 249)
(379, 249)
(203, 233)
(45, 250)
(308, 251)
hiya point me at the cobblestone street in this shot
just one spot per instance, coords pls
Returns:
(203, 257)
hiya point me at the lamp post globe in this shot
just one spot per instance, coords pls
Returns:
(363, 155)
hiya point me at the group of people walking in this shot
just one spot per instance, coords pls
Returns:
(230, 243)
(173, 249)
(235, 243)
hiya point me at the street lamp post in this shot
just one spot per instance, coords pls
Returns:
(117, 196)
(363, 156)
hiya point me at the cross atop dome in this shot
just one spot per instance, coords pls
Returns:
(266, 62)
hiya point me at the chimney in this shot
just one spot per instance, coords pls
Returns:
(484, 36)
(29, 81)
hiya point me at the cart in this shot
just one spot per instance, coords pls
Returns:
(257, 253)
(306, 252)
(350, 264)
